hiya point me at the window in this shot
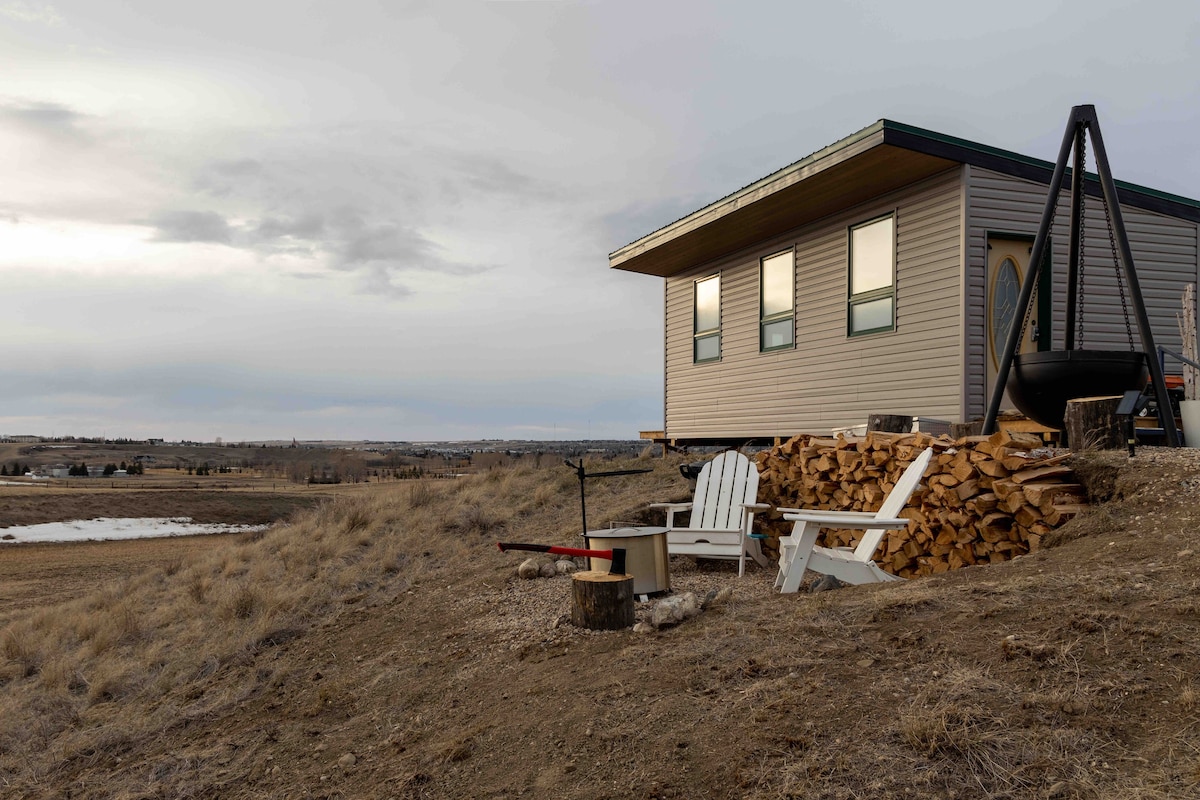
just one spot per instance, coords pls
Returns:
(872, 277)
(777, 303)
(706, 329)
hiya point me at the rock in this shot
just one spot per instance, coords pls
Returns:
(347, 761)
(674, 610)
(529, 568)
(716, 598)
(565, 567)
(825, 583)
(642, 627)
(547, 570)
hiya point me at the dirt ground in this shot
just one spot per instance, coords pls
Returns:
(1070, 673)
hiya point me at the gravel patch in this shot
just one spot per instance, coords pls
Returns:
(525, 612)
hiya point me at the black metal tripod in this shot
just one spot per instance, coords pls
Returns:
(1082, 121)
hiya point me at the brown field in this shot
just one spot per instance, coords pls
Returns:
(380, 646)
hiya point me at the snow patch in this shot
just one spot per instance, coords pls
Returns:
(109, 528)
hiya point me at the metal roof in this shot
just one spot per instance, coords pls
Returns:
(877, 159)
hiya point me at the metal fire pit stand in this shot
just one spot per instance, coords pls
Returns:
(1082, 121)
(583, 476)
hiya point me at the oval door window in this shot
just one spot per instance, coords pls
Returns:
(1006, 287)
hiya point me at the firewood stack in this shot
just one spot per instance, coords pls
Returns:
(983, 500)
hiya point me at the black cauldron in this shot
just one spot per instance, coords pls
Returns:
(1040, 384)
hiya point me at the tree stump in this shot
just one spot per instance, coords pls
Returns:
(1091, 424)
(603, 601)
(890, 423)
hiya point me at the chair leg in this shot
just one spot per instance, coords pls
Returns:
(743, 544)
(805, 534)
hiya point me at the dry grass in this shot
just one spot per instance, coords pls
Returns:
(375, 626)
(91, 676)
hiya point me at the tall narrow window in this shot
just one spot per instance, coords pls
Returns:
(872, 306)
(777, 304)
(706, 329)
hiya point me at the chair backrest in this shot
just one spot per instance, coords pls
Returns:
(724, 484)
(894, 503)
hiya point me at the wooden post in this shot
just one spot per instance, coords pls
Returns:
(1091, 424)
(1187, 333)
(603, 601)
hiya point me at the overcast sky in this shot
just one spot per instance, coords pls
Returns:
(391, 220)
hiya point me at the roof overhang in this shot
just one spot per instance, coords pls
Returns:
(881, 158)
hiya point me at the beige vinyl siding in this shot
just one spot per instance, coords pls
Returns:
(830, 379)
(1164, 253)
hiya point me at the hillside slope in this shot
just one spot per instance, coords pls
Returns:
(383, 648)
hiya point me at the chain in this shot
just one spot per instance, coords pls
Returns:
(1112, 241)
(1032, 273)
(1079, 281)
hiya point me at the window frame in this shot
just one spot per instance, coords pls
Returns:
(765, 319)
(887, 291)
(707, 333)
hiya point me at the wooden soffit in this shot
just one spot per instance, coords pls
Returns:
(881, 158)
(789, 199)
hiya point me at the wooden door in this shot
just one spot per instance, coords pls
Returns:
(1007, 265)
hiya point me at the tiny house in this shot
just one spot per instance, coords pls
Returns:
(880, 275)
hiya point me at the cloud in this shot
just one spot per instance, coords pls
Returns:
(42, 13)
(482, 172)
(362, 243)
(307, 226)
(49, 120)
(191, 226)
(345, 241)
(381, 249)
(237, 167)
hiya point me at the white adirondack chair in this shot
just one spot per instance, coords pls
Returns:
(799, 551)
(722, 513)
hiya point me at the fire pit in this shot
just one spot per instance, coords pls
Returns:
(1040, 384)
(645, 556)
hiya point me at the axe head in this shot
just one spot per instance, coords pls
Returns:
(618, 561)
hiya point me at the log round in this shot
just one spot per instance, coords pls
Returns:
(603, 601)
(1091, 424)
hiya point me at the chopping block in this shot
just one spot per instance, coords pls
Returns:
(603, 601)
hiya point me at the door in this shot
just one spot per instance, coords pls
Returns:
(1007, 265)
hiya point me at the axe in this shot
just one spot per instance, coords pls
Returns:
(616, 555)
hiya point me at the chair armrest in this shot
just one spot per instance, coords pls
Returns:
(836, 519)
(756, 506)
(672, 506)
(863, 515)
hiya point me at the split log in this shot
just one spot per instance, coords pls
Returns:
(1041, 473)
